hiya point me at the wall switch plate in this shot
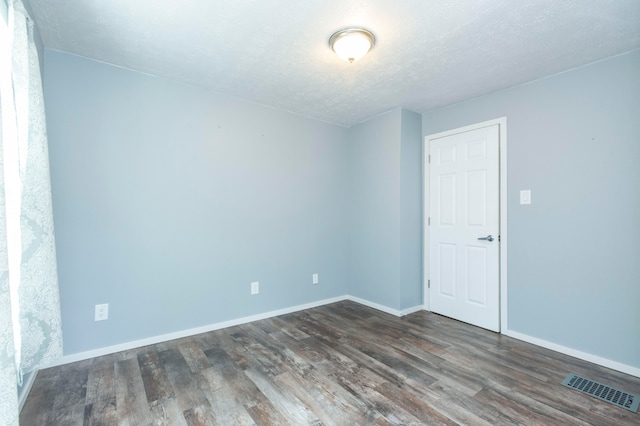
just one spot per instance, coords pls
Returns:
(315, 278)
(525, 196)
(255, 287)
(102, 312)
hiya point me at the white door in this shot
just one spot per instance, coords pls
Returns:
(464, 226)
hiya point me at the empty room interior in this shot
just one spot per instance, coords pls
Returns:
(212, 214)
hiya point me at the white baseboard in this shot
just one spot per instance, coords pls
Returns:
(634, 371)
(80, 356)
(614, 365)
(417, 308)
(379, 307)
(375, 305)
(395, 312)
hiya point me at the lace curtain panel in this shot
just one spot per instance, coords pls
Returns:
(30, 322)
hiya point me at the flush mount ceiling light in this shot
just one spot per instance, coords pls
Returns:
(352, 44)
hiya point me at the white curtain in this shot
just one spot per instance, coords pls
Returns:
(30, 323)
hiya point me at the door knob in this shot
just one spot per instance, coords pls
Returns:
(487, 238)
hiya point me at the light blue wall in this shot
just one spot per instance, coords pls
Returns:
(411, 210)
(169, 200)
(385, 192)
(574, 253)
(374, 161)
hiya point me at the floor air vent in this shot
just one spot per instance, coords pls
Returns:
(614, 396)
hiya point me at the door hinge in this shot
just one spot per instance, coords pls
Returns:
(429, 158)
(428, 221)
(428, 283)
(498, 238)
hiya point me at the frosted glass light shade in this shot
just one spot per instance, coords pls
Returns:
(352, 44)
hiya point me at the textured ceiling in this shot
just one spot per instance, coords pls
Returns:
(429, 53)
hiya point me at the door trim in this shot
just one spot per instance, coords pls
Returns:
(502, 123)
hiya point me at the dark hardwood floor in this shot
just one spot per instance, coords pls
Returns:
(339, 364)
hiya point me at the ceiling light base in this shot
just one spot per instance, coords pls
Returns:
(352, 44)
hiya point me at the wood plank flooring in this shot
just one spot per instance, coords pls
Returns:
(340, 364)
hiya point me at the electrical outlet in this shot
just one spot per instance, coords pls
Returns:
(315, 278)
(255, 287)
(102, 312)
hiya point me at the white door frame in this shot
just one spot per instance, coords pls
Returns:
(502, 122)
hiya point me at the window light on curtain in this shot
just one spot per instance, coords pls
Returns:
(30, 323)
